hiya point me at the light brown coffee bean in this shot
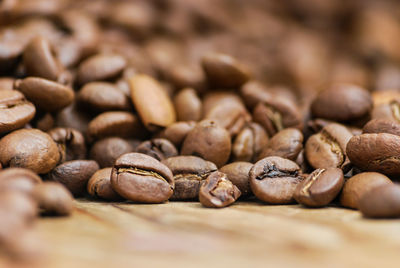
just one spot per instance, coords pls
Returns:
(188, 105)
(381, 202)
(53, 198)
(238, 174)
(99, 185)
(287, 143)
(107, 150)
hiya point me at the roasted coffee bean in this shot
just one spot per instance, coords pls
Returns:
(120, 124)
(43, 122)
(355, 187)
(328, 148)
(342, 102)
(320, 187)
(176, 133)
(47, 95)
(6, 83)
(216, 98)
(15, 110)
(160, 149)
(224, 71)
(71, 143)
(318, 124)
(29, 148)
(188, 105)
(375, 152)
(189, 173)
(100, 67)
(382, 126)
(388, 111)
(254, 92)
(73, 117)
(99, 185)
(19, 203)
(381, 202)
(274, 180)
(208, 140)
(217, 191)
(18, 179)
(238, 174)
(141, 178)
(40, 61)
(249, 143)
(153, 105)
(74, 175)
(53, 198)
(287, 143)
(102, 96)
(107, 150)
(186, 76)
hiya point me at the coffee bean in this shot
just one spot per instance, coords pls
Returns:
(189, 173)
(381, 202)
(217, 191)
(249, 143)
(274, 180)
(209, 141)
(99, 185)
(287, 143)
(74, 175)
(384, 157)
(18, 179)
(15, 110)
(382, 126)
(141, 178)
(254, 92)
(238, 174)
(176, 133)
(29, 148)
(188, 105)
(216, 98)
(388, 111)
(107, 150)
(186, 76)
(73, 117)
(153, 105)
(43, 121)
(53, 198)
(71, 143)
(19, 203)
(7, 83)
(355, 187)
(320, 187)
(160, 149)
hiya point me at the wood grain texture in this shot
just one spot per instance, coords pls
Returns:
(247, 234)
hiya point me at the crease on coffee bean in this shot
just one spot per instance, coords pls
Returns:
(334, 144)
(143, 172)
(13, 104)
(271, 171)
(275, 117)
(220, 197)
(191, 176)
(390, 158)
(314, 176)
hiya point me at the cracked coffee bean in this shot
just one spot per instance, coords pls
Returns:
(160, 149)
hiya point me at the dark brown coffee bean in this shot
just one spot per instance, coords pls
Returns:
(29, 148)
(74, 175)
(328, 148)
(217, 191)
(120, 124)
(238, 174)
(176, 133)
(102, 96)
(40, 61)
(153, 105)
(188, 105)
(320, 187)
(53, 198)
(355, 187)
(107, 150)
(100, 67)
(342, 102)
(189, 173)
(15, 110)
(287, 143)
(274, 180)
(160, 149)
(99, 185)
(382, 126)
(73, 117)
(224, 71)
(375, 152)
(209, 141)
(141, 178)
(71, 143)
(43, 122)
(45, 94)
(381, 202)
(249, 143)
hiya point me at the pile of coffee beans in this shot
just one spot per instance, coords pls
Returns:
(212, 101)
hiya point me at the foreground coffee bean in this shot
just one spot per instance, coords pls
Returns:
(141, 178)
(320, 187)
(74, 174)
(53, 198)
(209, 141)
(383, 158)
(287, 143)
(19, 203)
(99, 185)
(238, 174)
(217, 191)
(107, 150)
(15, 110)
(29, 148)
(381, 202)
(18, 179)
(355, 187)
(71, 143)
(189, 174)
(382, 126)
(274, 180)
(160, 149)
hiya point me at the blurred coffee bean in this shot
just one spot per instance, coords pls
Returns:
(176, 132)
(188, 105)
(107, 150)
(160, 149)
(381, 202)
(71, 143)
(53, 198)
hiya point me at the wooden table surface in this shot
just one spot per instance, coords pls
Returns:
(247, 234)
